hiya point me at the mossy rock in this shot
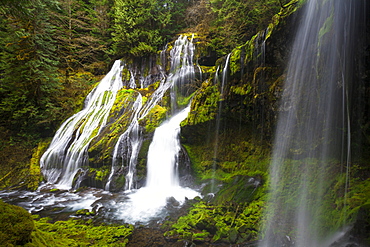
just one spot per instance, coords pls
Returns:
(84, 212)
(154, 118)
(35, 172)
(16, 225)
(239, 189)
(204, 104)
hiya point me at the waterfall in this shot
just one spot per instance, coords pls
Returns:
(313, 129)
(162, 177)
(68, 150)
(224, 74)
(182, 71)
(162, 160)
(163, 153)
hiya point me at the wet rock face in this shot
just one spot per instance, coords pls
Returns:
(361, 229)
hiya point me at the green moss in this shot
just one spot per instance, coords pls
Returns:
(230, 223)
(241, 188)
(123, 99)
(248, 48)
(126, 75)
(235, 60)
(287, 10)
(243, 89)
(208, 69)
(76, 232)
(101, 147)
(204, 104)
(84, 212)
(16, 225)
(154, 118)
(35, 173)
(235, 156)
(100, 173)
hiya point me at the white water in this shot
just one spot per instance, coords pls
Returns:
(163, 153)
(67, 151)
(129, 143)
(162, 177)
(182, 72)
(224, 74)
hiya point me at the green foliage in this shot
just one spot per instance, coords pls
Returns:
(82, 35)
(140, 26)
(235, 21)
(358, 196)
(28, 72)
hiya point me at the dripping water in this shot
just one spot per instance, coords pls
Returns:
(313, 132)
(218, 119)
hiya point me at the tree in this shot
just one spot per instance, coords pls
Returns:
(82, 35)
(237, 21)
(28, 84)
(139, 26)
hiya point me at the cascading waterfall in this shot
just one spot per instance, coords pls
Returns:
(162, 161)
(224, 75)
(65, 163)
(182, 73)
(162, 178)
(68, 149)
(313, 131)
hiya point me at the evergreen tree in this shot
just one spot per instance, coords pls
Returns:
(82, 35)
(140, 26)
(28, 84)
(237, 21)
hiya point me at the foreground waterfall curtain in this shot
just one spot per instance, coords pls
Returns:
(313, 135)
